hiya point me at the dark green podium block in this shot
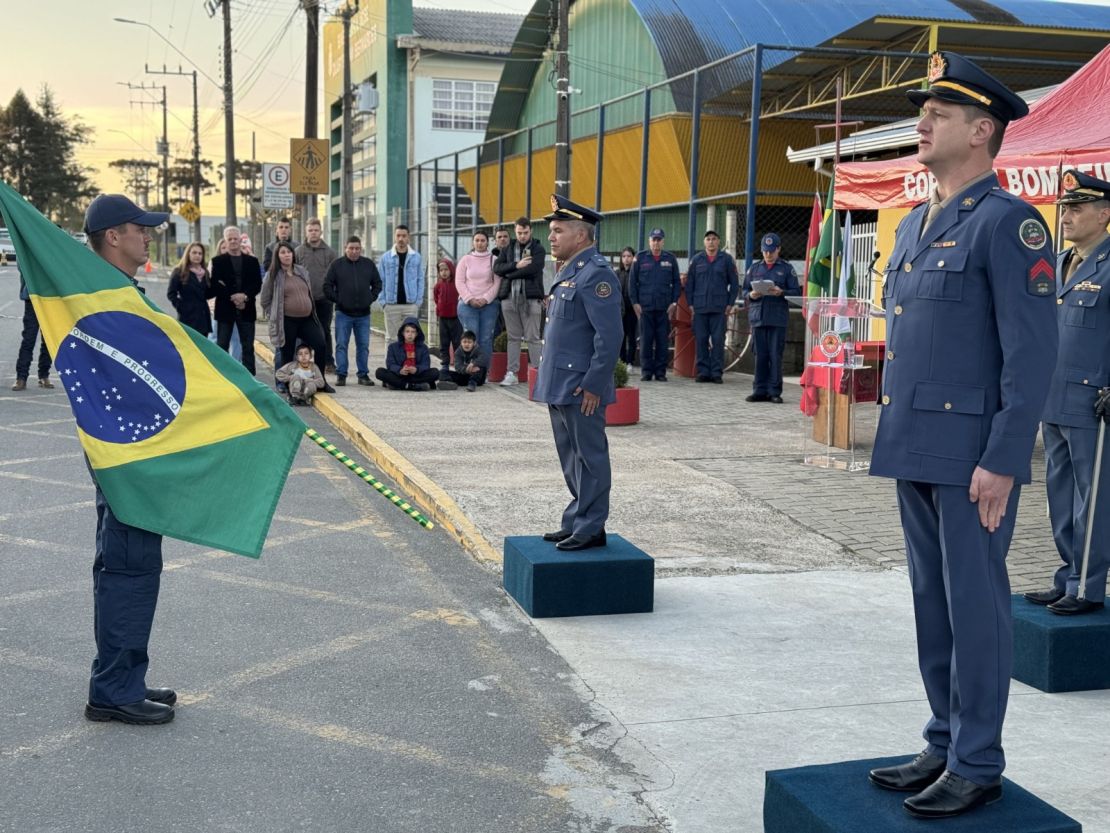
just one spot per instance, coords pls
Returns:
(1060, 653)
(546, 582)
(838, 798)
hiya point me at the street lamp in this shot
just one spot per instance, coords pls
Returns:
(172, 46)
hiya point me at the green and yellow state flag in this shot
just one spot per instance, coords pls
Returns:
(822, 270)
(182, 439)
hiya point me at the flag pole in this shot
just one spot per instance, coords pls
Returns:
(386, 492)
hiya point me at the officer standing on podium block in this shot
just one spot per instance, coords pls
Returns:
(581, 345)
(1070, 425)
(971, 346)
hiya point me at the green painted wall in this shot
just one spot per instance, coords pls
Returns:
(613, 54)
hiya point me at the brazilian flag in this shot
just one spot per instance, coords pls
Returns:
(182, 440)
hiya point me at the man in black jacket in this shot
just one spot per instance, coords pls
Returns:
(352, 284)
(284, 235)
(520, 265)
(236, 281)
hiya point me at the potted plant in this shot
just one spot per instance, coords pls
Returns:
(626, 410)
(499, 361)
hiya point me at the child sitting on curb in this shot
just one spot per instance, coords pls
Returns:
(301, 376)
(470, 365)
(408, 364)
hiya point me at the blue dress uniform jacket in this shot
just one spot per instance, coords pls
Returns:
(771, 311)
(1070, 426)
(584, 332)
(971, 340)
(971, 346)
(582, 341)
(654, 285)
(712, 286)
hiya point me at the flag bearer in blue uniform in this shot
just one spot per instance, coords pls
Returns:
(712, 284)
(128, 563)
(971, 346)
(581, 344)
(768, 314)
(1082, 375)
(654, 285)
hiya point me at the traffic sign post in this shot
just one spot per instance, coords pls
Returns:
(189, 212)
(308, 163)
(275, 186)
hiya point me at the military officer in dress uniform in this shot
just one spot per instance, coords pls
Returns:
(128, 565)
(654, 284)
(1070, 425)
(768, 314)
(581, 345)
(971, 346)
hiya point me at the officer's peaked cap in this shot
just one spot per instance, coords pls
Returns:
(954, 78)
(563, 209)
(1081, 187)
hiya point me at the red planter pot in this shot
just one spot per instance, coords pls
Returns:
(626, 410)
(533, 375)
(499, 365)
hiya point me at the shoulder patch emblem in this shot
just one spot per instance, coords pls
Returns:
(603, 289)
(1032, 234)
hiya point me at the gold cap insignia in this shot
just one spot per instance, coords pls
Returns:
(938, 65)
(554, 203)
(1070, 182)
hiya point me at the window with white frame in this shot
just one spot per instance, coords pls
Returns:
(461, 105)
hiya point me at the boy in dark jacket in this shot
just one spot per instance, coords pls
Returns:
(471, 365)
(408, 364)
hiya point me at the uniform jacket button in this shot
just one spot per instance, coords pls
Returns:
(948, 406)
(1059, 300)
(898, 309)
(886, 400)
(908, 267)
(940, 263)
(890, 355)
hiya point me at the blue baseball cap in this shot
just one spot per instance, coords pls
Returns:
(657, 234)
(954, 78)
(110, 210)
(770, 242)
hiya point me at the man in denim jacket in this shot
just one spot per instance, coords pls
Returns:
(402, 271)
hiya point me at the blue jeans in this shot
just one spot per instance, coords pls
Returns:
(481, 321)
(344, 324)
(234, 347)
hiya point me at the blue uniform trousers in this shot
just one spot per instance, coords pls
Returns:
(961, 602)
(584, 456)
(769, 344)
(1070, 459)
(126, 575)
(709, 336)
(655, 330)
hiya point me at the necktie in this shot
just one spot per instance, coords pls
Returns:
(1073, 264)
(930, 215)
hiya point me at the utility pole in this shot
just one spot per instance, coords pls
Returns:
(163, 150)
(562, 111)
(311, 86)
(196, 137)
(229, 114)
(347, 183)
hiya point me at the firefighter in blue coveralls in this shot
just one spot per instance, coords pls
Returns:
(712, 284)
(581, 344)
(654, 285)
(768, 315)
(128, 562)
(1070, 426)
(971, 345)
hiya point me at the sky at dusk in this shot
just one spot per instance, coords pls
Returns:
(87, 59)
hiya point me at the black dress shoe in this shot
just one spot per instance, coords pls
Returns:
(757, 397)
(1072, 606)
(557, 536)
(574, 543)
(951, 795)
(642, 379)
(143, 713)
(165, 696)
(340, 381)
(717, 380)
(912, 777)
(660, 378)
(327, 388)
(1044, 597)
(702, 379)
(777, 400)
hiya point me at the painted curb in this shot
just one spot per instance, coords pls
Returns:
(438, 506)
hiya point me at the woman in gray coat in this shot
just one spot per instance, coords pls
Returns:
(287, 300)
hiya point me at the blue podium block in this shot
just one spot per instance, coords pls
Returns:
(546, 582)
(838, 798)
(1060, 653)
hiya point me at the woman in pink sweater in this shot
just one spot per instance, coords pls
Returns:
(478, 285)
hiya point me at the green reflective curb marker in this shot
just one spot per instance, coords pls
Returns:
(386, 492)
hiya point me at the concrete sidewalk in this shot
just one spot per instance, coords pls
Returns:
(783, 630)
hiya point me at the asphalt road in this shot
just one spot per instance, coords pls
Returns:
(365, 674)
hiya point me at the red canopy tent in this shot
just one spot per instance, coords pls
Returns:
(1068, 128)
